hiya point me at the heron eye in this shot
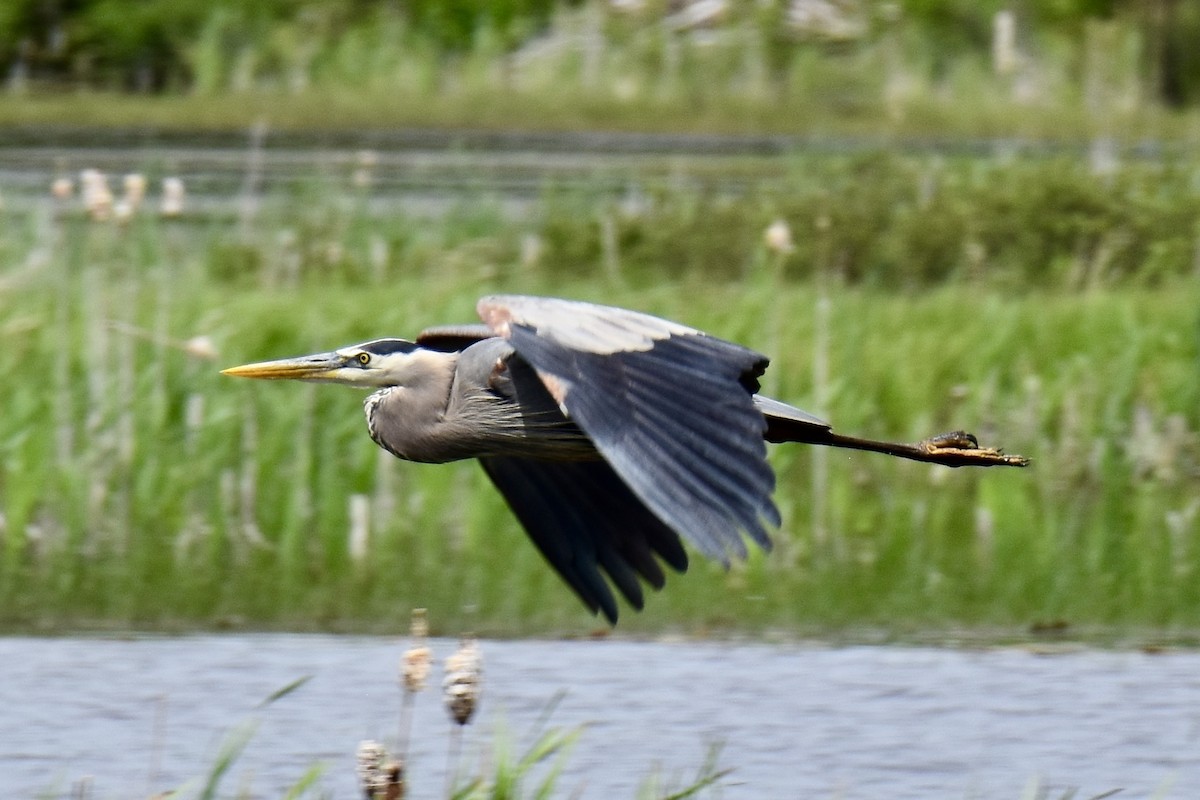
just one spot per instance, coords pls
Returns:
(364, 358)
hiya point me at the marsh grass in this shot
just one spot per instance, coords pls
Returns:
(140, 488)
(592, 68)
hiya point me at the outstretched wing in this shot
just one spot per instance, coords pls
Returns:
(669, 408)
(583, 518)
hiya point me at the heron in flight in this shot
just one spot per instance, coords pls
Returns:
(613, 435)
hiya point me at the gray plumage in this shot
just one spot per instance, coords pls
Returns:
(610, 433)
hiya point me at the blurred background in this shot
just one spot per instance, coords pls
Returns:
(931, 214)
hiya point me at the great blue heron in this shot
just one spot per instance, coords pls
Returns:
(610, 433)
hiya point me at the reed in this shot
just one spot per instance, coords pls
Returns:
(139, 488)
(593, 66)
(495, 771)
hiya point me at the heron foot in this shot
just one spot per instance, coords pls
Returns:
(960, 449)
(958, 440)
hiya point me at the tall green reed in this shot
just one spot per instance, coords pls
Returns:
(138, 487)
(594, 67)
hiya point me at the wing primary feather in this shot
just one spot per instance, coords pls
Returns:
(712, 528)
(720, 438)
(734, 488)
(584, 518)
(526, 494)
(742, 482)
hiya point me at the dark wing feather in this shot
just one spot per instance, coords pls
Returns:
(670, 408)
(453, 338)
(583, 518)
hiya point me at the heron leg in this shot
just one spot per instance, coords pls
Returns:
(954, 449)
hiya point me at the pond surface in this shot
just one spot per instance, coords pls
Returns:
(142, 715)
(429, 171)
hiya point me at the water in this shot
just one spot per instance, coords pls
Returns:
(433, 171)
(796, 720)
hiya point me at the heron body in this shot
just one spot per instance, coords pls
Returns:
(434, 418)
(613, 435)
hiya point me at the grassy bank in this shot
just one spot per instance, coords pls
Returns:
(972, 109)
(139, 487)
(589, 67)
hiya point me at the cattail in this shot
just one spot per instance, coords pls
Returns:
(379, 777)
(370, 760)
(135, 189)
(393, 780)
(172, 197)
(414, 672)
(531, 250)
(62, 189)
(415, 663)
(460, 692)
(414, 667)
(88, 179)
(201, 347)
(359, 540)
(367, 160)
(1004, 42)
(778, 238)
(122, 211)
(461, 685)
(97, 197)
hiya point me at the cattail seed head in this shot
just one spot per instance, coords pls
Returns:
(172, 197)
(532, 248)
(379, 777)
(414, 668)
(369, 759)
(366, 160)
(1004, 42)
(393, 781)
(778, 238)
(418, 625)
(97, 197)
(62, 189)
(122, 211)
(461, 684)
(135, 189)
(201, 347)
(417, 660)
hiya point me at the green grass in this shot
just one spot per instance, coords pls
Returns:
(141, 488)
(594, 70)
(931, 116)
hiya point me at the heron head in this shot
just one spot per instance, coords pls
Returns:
(371, 365)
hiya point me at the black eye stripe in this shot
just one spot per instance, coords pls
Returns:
(383, 347)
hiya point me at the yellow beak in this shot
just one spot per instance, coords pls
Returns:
(322, 366)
